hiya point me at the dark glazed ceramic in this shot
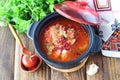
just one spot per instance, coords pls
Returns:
(35, 29)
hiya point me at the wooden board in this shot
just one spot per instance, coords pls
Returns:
(10, 51)
(7, 48)
(108, 70)
(42, 74)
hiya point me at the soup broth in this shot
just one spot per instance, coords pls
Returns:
(63, 40)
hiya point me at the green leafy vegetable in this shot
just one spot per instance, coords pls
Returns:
(23, 12)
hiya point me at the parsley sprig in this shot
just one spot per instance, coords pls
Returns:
(23, 12)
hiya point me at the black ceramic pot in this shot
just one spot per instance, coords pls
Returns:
(35, 29)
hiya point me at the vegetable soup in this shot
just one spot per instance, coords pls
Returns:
(63, 40)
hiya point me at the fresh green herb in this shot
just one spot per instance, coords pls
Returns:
(23, 12)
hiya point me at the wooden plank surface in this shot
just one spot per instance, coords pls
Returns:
(80, 74)
(109, 68)
(7, 48)
(42, 74)
(77, 75)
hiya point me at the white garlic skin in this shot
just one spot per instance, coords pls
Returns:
(93, 69)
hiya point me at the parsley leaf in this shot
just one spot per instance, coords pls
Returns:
(23, 12)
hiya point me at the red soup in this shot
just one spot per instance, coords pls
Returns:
(63, 40)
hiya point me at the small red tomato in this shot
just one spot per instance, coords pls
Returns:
(29, 60)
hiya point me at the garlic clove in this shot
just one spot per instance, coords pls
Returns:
(93, 69)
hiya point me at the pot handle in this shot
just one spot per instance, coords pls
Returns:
(97, 45)
(31, 29)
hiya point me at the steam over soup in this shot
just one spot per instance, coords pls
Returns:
(63, 40)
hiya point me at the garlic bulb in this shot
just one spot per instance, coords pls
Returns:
(93, 69)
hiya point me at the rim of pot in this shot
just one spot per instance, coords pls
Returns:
(48, 18)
